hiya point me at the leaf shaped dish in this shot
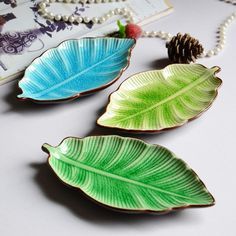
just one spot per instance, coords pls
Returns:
(75, 68)
(127, 174)
(162, 99)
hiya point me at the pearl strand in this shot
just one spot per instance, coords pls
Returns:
(221, 34)
(43, 11)
(158, 34)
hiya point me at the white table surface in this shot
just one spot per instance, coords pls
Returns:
(34, 202)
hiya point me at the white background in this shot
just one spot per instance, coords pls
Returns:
(34, 202)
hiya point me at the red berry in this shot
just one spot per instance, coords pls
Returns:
(133, 31)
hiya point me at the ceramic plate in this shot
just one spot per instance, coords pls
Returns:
(127, 174)
(162, 99)
(75, 68)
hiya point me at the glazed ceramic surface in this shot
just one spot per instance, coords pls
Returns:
(127, 174)
(162, 99)
(76, 67)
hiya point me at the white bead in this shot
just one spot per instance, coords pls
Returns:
(112, 12)
(101, 20)
(42, 10)
(226, 24)
(117, 11)
(124, 11)
(216, 50)
(152, 34)
(71, 19)
(161, 34)
(131, 20)
(145, 33)
(42, 5)
(223, 27)
(51, 16)
(220, 46)
(46, 15)
(222, 41)
(95, 20)
(223, 38)
(58, 17)
(86, 19)
(222, 33)
(164, 35)
(210, 53)
(65, 18)
(128, 13)
(79, 19)
(121, 12)
(169, 36)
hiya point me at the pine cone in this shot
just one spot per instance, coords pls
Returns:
(184, 49)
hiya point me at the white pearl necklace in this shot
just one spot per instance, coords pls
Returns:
(42, 9)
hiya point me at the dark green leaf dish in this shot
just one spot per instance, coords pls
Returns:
(127, 174)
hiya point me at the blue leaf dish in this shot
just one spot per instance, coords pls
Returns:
(75, 68)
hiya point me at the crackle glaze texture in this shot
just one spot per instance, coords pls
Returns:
(76, 67)
(127, 174)
(162, 99)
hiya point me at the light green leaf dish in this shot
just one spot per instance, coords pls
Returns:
(127, 174)
(162, 99)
